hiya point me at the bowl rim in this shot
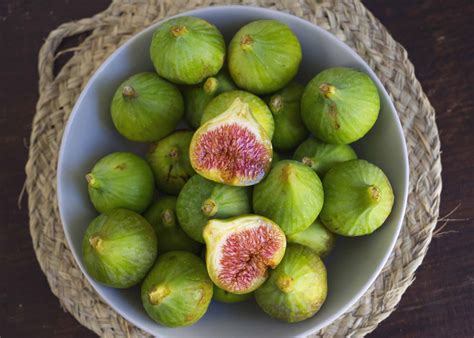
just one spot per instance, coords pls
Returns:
(216, 9)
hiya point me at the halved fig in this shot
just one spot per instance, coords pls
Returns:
(232, 148)
(241, 249)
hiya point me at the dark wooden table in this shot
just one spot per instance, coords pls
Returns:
(438, 35)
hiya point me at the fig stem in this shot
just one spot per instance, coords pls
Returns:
(285, 283)
(276, 103)
(168, 218)
(158, 293)
(246, 42)
(308, 162)
(96, 242)
(91, 181)
(178, 31)
(327, 90)
(210, 85)
(209, 208)
(374, 194)
(129, 92)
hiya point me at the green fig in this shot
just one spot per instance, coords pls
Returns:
(240, 250)
(232, 148)
(187, 50)
(285, 107)
(146, 108)
(224, 296)
(196, 98)
(358, 198)
(118, 248)
(259, 109)
(297, 288)
(321, 156)
(201, 200)
(120, 180)
(162, 216)
(316, 237)
(177, 291)
(169, 160)
(340, 105)
(264, 56)
(291, 195)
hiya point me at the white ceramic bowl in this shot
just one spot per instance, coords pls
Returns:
(352, 266)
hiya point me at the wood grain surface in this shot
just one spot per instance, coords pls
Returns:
(438, 35)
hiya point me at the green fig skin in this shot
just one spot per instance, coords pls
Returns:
(289, 127)
(118, 248)
(224, 296)
(321, 156)
(258, 107)
(340, 105)
(196, 98)
(162, 216)
(177, 291)
(275, 159)
(146, 108)
(187, 50)
(169, 160)
(121, 180)
(316, 237)
(291, 195)
(358, 198)
(264, 56)
(202, 200)
(297, 288)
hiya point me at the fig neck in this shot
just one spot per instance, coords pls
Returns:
(246, 42)
(373, 195)
(307, 161)
(178, 31)
(92, 181)
(96, 243)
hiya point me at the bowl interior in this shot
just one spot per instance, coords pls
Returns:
(355, 262)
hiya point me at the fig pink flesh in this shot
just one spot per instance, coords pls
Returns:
(233, 150)
(246, 255)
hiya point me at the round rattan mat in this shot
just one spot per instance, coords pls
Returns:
(350, 21)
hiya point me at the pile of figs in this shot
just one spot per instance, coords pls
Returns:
(211, 211)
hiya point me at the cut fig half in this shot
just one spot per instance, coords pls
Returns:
(232, 148)
(240, 251)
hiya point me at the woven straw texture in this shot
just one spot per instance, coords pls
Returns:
(350, 21)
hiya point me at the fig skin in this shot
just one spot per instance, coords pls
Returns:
(201, 200)
(118, 248)
(187, 50)
(162, 216)
(169, 160)
(146, 108)
(290, 130)
(316, 237)
(258, 107)
(297, 288)
(177, 291)
(232, 148)
(340, 105)
(120, 180)
(264, 56)
(196, 98)
(291, 195)
(358, 198)
(224, 296)
(321, 156)
(248, 244)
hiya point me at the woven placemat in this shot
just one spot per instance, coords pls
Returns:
(350, 21)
